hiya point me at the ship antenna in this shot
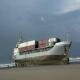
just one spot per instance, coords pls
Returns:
(67, 36)
(67, 33)
(20, 38)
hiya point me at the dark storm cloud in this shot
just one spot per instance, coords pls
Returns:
(26, 16)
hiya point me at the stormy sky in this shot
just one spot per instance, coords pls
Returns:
(38, 19)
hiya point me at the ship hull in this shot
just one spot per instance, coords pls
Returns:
(43, 60)
(56, 55)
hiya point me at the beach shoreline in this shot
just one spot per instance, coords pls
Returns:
(49, 72)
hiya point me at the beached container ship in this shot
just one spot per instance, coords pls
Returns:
(50, 51)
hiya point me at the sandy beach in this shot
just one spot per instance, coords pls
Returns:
(51, 72)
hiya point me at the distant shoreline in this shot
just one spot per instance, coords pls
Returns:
(29, 66)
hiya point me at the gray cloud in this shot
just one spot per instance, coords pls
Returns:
(69, 5)
(42, 6)
(36, 19)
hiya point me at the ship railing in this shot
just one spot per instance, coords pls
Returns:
(36, 50)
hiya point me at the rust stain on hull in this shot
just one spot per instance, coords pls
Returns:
(43, 60)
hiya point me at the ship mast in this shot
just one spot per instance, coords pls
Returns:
(19, 38)
(67, 36)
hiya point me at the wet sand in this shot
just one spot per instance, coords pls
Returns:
(52, 72)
